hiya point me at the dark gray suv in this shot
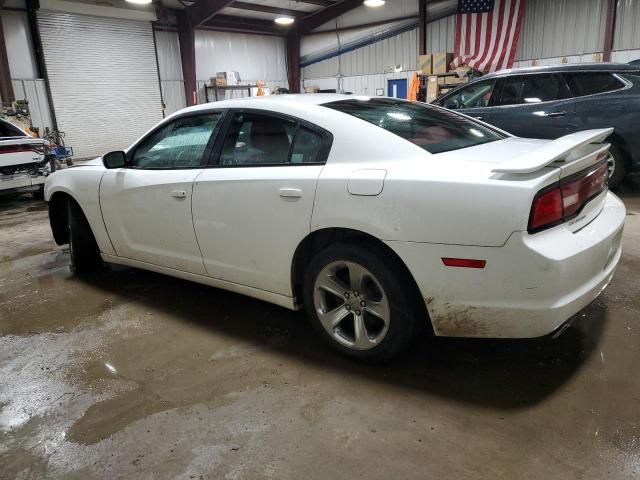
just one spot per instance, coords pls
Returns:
(549, 102)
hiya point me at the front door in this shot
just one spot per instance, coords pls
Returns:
(397, 88)
(146, 206)
(474, 100)
(254, 207)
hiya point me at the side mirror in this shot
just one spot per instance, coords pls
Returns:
(114, 159)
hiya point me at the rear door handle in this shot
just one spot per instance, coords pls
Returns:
(477, 117)
(179, 194)
(555, 114)
(290, 193)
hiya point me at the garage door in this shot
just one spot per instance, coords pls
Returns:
(103, 77)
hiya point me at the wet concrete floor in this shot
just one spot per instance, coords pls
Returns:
(130, 374)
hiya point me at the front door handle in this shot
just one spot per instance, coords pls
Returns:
(555, 114)
(179, 194)
(290, 193)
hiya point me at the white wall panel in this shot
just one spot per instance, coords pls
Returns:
(398, 52)
(34, 91)
(627, 31)
(440, 35)
(103, 78)
(358, 84)
(256, 57)
(22, 61)
(362, 15)
(170, 69)
(554, 28)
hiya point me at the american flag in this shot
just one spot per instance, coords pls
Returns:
(487, 33)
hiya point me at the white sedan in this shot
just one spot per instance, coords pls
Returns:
(376, 215)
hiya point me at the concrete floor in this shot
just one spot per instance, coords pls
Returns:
(129, 374)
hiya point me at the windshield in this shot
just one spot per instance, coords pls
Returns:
(432, 129)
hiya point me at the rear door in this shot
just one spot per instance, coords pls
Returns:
(253, 207)
(533, 106)
(146, 206)
(474, 100)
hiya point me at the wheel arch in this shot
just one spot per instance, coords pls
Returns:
(58, 215)
(620, 142)
(320, 239)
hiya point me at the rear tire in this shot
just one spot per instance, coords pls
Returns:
(360, 302)
(617, 169)
(85, 255)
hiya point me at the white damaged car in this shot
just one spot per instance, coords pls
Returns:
(23, 166)
(376, 215)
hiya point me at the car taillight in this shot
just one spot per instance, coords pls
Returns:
(558, 204)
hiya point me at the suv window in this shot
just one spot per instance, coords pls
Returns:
(476, 95)
(590, 83)
(179, 144)
(257, 139)
(527, 89)
(433, 129)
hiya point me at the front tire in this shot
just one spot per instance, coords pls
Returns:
(83, 249)
(360, 302)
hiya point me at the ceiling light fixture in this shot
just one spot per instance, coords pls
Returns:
(284, 20)
(139, 2)
(374, 3)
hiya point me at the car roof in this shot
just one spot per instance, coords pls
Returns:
(267, 101)
(574, 67)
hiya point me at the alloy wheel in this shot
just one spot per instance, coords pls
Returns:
(351, 305)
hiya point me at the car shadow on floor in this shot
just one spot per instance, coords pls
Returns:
(506, 374)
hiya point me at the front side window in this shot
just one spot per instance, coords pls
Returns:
(528, 89)
(258, 139)
(476, 95)
(433, 129)
(179, 144)
(590, 83)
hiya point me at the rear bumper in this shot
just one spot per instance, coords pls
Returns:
(529, 287)
(23, 182)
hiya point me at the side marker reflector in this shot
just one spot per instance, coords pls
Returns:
(464, 262)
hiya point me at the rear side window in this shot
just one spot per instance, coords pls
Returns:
(433, 129)
(8, 130)
(590, 83)
(476, 95)
(528, 89)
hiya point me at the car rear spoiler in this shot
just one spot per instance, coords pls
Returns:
(554, 151)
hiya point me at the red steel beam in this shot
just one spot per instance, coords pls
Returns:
(187, 40)
(323, 16)
(609, 30)
(6, 88)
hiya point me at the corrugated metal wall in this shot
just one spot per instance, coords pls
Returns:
(23, 67)
(170, 68)
(627, 32)
(395, 53)
(440, 35)
(554, 28)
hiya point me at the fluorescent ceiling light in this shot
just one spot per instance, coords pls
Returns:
(139, 2)
(284, 20)
(374, 3)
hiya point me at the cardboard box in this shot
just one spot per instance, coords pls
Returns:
(230, 78)
(432, 89)
(441, 62)
(455, 80)
(312, 89)
(424, 64)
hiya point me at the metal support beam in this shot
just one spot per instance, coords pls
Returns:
(187, 40)
(609, 30)
(293, 61)
(422, 27)
(6, 88)
(321, 3)
(323, 16)
(266, 9)
(203, 10)
(244, 25)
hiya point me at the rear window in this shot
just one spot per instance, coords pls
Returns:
(8, 130)
(433, 129)
(592, 83)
